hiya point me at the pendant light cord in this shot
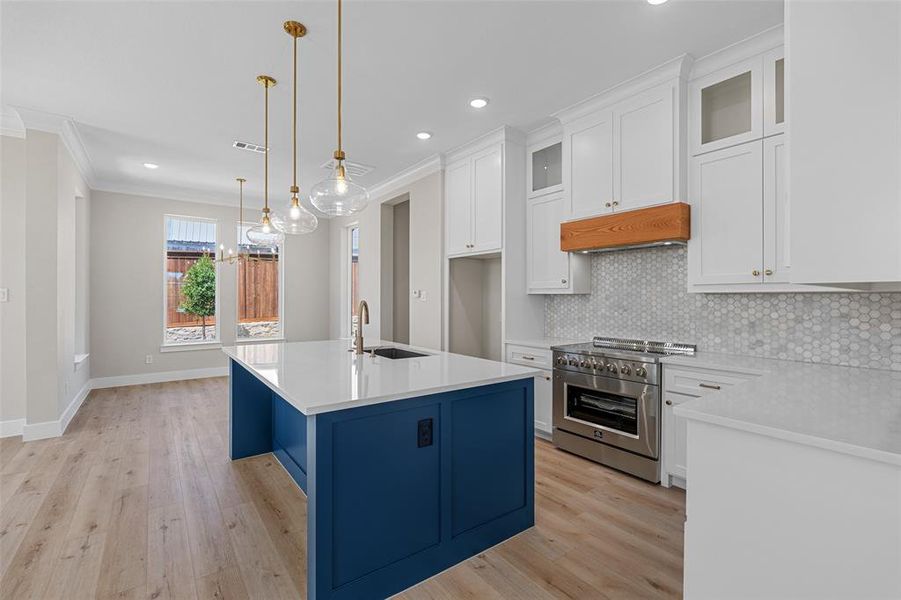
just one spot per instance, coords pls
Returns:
(266, 144)
(294, 116)
(340, 149)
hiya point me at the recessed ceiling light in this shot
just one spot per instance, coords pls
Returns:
(656, 2)
(478, 102)
(151, 165)
(423, 135)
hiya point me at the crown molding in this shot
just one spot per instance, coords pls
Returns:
(547, 133)
(388, 188)
(67, 129)
(503, 134)
(673, 70)
(741, 50)
(11, 124)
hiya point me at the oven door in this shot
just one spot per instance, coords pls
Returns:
(620, 413)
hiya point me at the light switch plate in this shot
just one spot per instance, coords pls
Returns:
(4, 294)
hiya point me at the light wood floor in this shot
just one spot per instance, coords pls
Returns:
(139, 500)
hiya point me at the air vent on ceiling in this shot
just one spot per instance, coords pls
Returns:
(353, 168)
(249, 147)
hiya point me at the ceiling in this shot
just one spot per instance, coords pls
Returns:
(173, 83)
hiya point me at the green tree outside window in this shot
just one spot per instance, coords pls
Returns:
(199, 291)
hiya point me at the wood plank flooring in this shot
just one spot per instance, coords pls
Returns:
(139, 500)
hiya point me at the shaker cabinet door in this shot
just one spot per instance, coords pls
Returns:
(726, 194)
(588, 164)
(643, 154)
(548, 266)
(487, 200)
(776, 212)
(458, 207)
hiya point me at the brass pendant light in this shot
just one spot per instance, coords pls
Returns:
(230, 257)
(337, 195)
(298, 220)
(268, 232)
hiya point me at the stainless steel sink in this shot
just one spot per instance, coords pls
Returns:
(393, 352)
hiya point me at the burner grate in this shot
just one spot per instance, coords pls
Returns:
(643, 345)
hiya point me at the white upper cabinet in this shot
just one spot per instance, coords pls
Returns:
(545, 169)
(487, 199)
(474, 190)
(727, 209)
(548, 267)
(727, 106)
(774, 91)
(588, 164)
(458, 200)
(776, 213)
(844, 92)
(644, 129)
(622, 149)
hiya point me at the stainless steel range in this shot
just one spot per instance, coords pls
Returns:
(607, 402)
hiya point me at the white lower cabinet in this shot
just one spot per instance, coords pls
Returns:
(681, 384)
(540, 358)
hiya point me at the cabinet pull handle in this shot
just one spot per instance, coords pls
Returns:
(526, 357)
(709, 386)
(669, 402)
(755, 273)
(768, 272)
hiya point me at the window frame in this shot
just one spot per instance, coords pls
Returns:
(281, 293)
(166, 346)
(346, 324)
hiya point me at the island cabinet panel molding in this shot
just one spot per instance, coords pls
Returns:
(400, 489)
(657, 224)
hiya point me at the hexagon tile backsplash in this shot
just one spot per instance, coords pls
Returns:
(643, 294)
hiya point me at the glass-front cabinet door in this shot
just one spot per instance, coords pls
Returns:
(774, 92)
(545, 169)
(727, 106)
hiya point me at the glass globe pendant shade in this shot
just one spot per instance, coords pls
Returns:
(265, 233)
(338, 195)
(299, 220)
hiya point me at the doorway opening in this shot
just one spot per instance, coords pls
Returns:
(395, 272)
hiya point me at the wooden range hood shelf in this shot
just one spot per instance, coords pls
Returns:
(640, 227)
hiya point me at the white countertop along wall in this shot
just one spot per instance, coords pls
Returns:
(845, 409)
(325, 376)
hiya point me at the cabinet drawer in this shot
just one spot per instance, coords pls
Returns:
(699, 382)
(540, 358)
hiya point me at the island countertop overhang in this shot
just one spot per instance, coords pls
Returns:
(325, 376)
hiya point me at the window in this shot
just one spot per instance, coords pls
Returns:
(260, 286)
(354, 276)
(191, 282)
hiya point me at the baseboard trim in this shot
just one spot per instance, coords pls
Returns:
(159, 377)
(11, 428)
(49, 429)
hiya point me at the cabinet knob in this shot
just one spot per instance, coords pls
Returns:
(608, 205)
(755, 273)
(563, 281)
(768, 272)
(669, 402)
(615, 203)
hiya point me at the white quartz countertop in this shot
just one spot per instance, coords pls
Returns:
(320, 377)
(846, 409)
(547, 342)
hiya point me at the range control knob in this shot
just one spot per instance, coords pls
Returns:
(573, 362)
(641, 372)
(625, 370)
(611, 367)
(583, 363)
(596, 365)
(561, 360)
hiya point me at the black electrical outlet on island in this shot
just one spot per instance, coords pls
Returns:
(425, 433)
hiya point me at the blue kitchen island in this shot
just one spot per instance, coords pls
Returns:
(410, 465)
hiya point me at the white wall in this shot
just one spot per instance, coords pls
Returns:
(127, 284)
(426, 247)
(38, 377)
(12, 276)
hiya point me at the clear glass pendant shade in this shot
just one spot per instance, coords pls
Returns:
(338, 195)
(268, 232)
(299, 220)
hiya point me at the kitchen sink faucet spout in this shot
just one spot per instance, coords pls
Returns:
(362, 319)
